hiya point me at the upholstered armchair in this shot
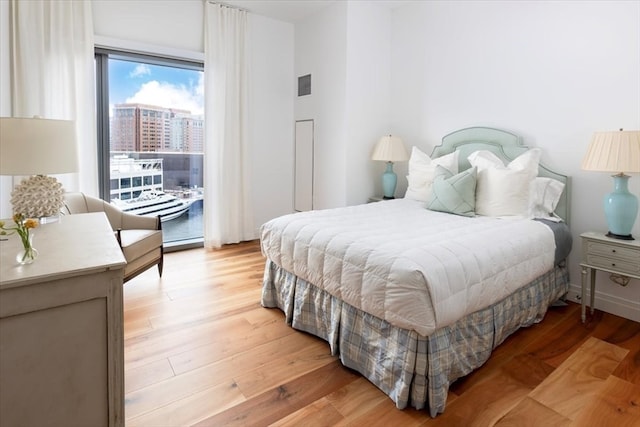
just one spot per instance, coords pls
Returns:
(140, 237)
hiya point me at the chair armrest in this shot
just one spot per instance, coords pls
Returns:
(130, 222)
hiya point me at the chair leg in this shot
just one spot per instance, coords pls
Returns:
(161, 263)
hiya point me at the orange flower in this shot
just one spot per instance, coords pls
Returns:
(23, 225)
(30, 223)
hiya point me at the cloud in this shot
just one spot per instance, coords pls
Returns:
(140, 70)
(163, 94)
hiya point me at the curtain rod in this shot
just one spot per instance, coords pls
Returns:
(219, 3)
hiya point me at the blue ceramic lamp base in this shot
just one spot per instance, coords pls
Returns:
(620, 209)
(389, 181)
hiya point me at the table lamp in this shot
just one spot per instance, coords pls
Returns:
(389, 149)
(617, 152)
(37, 147)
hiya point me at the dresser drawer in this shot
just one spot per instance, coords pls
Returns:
(619, 265)
(623, 254)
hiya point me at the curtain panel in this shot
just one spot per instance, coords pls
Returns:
(228, 214)
(52, 74)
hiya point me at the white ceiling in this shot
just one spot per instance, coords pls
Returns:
(295, 10)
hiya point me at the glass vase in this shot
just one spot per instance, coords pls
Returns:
(28, 254)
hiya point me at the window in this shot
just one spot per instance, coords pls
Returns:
(150, 137)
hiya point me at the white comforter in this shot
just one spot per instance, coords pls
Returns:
(415, 268)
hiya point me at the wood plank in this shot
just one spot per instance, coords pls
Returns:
(173, 314)
(616, 403)
(192, 408)
(485, 403)
(149, 298)
(284, 399)
(255, 354)
(270, 375)
(318, 414)
(356, 399)
(237, 358)
(145, 375)
(531, 413)
(160, 394)
(168, 343)
(629, 368)
(561, 341)
(568, 389)
(384, 414)
(616, 330)
(229, 335)
(137, 328)
(213, 301)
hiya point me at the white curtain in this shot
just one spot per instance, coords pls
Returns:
(52, 74)
(228, 216)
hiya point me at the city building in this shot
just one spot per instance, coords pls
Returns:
(149, 128)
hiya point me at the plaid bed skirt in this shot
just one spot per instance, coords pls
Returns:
(410, 368)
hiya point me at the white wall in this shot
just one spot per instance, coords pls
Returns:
(552, 72)
(271, 117)
(174, 24)
(345, 47)
(320, 50)
(176, 28)
(368, 91)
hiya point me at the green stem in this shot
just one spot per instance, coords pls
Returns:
(26, 244)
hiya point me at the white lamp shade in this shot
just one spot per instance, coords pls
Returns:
(390, 149)
(617, 151)
(35, 146)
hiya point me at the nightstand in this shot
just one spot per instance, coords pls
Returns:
(615, 256)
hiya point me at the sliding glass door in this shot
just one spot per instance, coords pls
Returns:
(150, 136)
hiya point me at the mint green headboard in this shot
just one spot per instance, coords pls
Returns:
(507, 146)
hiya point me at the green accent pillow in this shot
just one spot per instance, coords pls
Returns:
(454, 194)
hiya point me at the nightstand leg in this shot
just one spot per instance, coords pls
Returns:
(593, 289)
(582, 296)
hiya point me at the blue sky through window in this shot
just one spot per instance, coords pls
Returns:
(171, 87)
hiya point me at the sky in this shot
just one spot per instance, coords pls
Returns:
(134, 82)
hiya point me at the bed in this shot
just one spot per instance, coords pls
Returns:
(413, 295)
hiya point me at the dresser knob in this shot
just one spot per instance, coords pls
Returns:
(613, 250)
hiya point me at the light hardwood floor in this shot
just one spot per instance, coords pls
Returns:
(200, 350)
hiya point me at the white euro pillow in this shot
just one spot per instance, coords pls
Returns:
(422, 172)
(544, 197)
(504, 190)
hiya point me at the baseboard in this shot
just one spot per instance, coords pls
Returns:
(608, 303)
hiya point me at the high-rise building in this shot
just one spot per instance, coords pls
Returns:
(144, 128)
(187, 133)
(123, 127)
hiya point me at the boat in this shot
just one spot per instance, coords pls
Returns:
(156, 203)
(137, 188)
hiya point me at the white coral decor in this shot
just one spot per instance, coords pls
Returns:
(37, 197)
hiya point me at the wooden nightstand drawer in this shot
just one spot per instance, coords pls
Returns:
(623, 254)
(619, 265)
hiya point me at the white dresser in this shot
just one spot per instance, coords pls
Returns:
(61, 327)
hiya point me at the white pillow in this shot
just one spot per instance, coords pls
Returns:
(504, 190)
(422, 171)
(544, 197)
